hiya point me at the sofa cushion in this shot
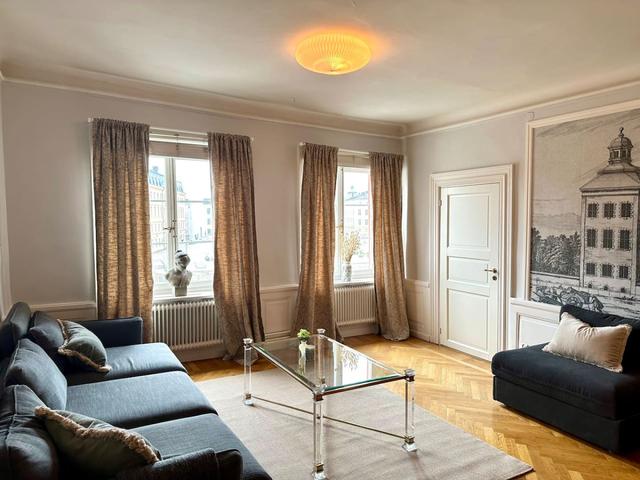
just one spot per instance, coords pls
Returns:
(83, 347)
(14, 327)
(599, 346)
(631, 356)
(203, 464)
(131, 361)
(95, 447)
(31, 366)
(46, 332)
(26, 449)
(136, 401)
(185, 435)
(599, 391)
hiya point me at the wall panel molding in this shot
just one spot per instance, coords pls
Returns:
(531, 323)
(419, 309)
(68, 310)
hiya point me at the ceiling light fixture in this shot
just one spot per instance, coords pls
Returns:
(333, 53)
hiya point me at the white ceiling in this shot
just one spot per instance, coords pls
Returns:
(434, 60)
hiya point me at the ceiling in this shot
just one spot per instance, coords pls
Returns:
(434, 61)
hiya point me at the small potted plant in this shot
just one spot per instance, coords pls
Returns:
(304, 335)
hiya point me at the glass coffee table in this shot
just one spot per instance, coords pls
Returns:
(327, 367)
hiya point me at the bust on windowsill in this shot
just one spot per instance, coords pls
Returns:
(179, 277)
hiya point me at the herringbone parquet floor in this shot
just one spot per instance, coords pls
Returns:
(457, 387)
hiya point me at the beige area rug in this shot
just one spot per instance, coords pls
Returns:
(281, 439)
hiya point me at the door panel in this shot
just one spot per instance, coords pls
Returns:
(468, 319)
(467, 270)
(470, 228)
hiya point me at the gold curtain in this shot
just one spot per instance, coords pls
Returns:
(236, 281)
(314, 306)
(388, 255)
(123, 237)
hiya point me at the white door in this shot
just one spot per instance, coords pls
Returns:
(470, 227)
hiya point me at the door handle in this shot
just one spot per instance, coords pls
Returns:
(492, 270)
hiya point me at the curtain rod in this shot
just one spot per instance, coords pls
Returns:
(174, 131)
(345, 151)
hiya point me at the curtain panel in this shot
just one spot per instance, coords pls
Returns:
(236, 281)
(124, 280)
(388, 255)
(314, 305)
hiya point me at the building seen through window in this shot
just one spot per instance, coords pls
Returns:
(181, 218)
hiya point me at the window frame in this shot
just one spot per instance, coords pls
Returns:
(602, 269)
(196, 288)
(354, 163)
(626, 269)
(592, 210)
(626, 244)
(609, 210)
(624, 206)
(592, 238)
(608, 234)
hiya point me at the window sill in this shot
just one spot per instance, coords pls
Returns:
(160, 299)
(353, 283)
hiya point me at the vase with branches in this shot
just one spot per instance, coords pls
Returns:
(350, 247)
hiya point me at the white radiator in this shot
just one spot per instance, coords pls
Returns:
(355, 304)
(186, 324)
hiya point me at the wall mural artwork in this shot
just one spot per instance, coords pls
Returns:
(584, 213)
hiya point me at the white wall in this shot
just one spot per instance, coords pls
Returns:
(495, 141)
(49, 184)
(5, 291)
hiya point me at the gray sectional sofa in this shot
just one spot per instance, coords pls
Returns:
(147, 390)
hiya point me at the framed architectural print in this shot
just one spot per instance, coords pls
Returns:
(584, 200)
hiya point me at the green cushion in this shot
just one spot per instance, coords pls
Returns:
(96, 447)
(83, 345)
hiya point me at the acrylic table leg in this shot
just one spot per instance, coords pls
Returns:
(409, 411)
(318, 434)
(247, 371)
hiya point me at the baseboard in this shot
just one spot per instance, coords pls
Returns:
(357, 329)
(201, 353)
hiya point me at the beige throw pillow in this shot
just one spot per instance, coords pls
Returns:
(600, 346)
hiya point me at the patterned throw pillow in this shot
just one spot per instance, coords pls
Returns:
(82, 344)
(96, 447)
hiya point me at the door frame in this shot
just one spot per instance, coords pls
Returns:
(502, 175)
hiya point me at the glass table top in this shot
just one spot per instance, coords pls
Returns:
(325, 365)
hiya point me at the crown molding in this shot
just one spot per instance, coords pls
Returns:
(192, 99)
(422, 127)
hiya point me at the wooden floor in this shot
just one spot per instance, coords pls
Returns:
(457, 388)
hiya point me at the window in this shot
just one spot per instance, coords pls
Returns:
(591, 268)
(607, 270)
(353, 214)
(607, 238)
(623, 271)
(181, 218)
(592, 237)
(592, 210)
(609, 210)
(626, 210)
(624, 240)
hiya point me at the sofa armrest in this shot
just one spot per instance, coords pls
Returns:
(202, 465)
(117, 332)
